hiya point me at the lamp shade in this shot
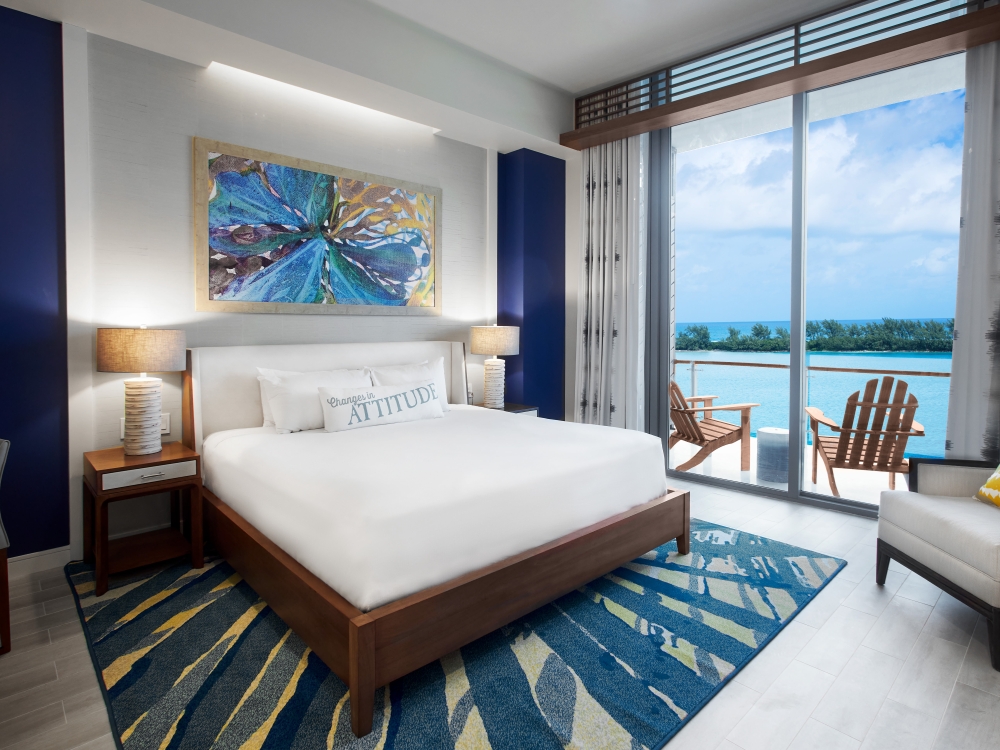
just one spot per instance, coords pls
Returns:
(495, 339)
(140, 350)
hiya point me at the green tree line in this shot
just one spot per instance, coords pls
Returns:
(888, 335)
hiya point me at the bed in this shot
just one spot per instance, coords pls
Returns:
(388, 547)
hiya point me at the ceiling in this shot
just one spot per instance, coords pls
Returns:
(581, 45)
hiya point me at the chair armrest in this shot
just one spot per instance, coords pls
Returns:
(917, 428)
(693, 399)
(949, 477)
(727, 407)
(818, 416)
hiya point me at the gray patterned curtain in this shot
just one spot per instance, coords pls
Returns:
(610, 332)
(974, 401)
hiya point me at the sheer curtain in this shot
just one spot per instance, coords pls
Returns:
(974, 401)
(611, 325)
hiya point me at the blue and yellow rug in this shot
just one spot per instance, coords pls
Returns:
(195, 659)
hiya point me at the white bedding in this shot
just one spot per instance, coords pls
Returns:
(382, 513)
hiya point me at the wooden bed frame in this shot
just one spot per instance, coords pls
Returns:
(370, 649)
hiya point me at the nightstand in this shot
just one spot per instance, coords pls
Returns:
(109, 475)
(527, 411)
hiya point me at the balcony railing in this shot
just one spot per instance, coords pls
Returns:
(864, 371)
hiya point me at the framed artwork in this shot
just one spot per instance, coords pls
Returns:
(275, 234)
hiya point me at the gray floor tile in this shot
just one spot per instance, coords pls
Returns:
(860, 563)
(851, 704)
(952, 620)
(36, 596)
(835, 643)
(977, 671)
(27, 612)
(27, 679)
(104, 742)
(899, 727)
(928, 675)
(843, 540)
(775, 719)
(18, 661)
(30, 641)
(28, 725)
(869, 597)
(774, 658)
(27, 701)
(60, 604)
(45, 622)
(22, 587)
(898, 627)
(710, 726)
(77, 730)
(70, 629)
(827, 601)
(817, 736)
(919, 590)
(972, 721)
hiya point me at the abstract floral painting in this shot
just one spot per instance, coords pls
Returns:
(276, 234)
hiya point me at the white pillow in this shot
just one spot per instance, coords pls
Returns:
(351, 408)
(267, 374)
(421, 371)
(294, 399)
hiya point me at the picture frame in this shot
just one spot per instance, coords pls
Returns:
(355, 237)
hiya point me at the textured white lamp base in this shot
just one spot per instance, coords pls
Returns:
(143, 397)
(493, 386)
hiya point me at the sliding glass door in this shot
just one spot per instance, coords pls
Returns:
(732, 259)
(885, 170)
(854, 233)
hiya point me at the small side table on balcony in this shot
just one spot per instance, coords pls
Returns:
(109, 475)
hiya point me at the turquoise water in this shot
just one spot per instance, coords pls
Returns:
(827, 390)
(719, 331)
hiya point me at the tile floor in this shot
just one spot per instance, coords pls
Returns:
(904, 666)
(49, 695)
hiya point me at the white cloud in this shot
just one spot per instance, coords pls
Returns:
(884, 171)
(937, 261)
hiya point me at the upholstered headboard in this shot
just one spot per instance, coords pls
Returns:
(221, 391)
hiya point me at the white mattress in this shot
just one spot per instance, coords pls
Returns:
(383, 512)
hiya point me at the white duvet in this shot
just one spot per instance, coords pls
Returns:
(383, 512)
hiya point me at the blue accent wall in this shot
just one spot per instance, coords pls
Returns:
(34, 495)
(531, 275)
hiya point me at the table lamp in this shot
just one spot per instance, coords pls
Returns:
(495, 340)
(141, 350)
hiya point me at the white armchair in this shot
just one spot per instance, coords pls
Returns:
(942, 533)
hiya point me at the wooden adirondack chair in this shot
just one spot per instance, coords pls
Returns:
(709, 434)
(858, 446)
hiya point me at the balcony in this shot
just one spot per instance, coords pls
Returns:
(760, 382)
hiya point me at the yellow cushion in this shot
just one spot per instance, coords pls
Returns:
(990, 492)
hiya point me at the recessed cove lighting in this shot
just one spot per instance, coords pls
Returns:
(341, 107)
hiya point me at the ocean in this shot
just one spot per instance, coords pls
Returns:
(719, 331)
(826, 390)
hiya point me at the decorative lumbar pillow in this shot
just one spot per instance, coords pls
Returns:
(419, 372)
(294, 400)
(990, 492)
(351, 408)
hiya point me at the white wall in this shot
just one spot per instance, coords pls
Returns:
(144, 109)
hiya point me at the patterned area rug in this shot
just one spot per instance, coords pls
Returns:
(195, 659)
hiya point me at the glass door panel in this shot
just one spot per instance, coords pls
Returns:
(884, 179)
(732, 260)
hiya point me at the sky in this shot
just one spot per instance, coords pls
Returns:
(883, 214)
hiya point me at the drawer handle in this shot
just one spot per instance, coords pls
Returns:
(151, 476)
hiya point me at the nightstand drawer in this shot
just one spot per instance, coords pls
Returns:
(131, 477)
